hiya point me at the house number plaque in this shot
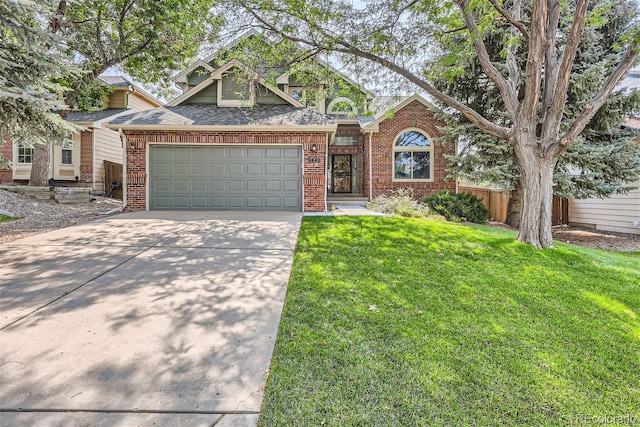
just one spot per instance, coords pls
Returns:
(314, 159)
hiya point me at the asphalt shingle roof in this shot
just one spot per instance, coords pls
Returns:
(212, 115)
(94, 116)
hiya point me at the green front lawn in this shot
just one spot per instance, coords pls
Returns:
(410, 322)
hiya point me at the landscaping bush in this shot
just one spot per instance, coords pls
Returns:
(461, 206)
(401, 203)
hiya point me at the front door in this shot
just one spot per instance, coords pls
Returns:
(341, 166)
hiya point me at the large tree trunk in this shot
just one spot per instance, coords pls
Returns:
(537, 196)
(40, 165)
(514, 207)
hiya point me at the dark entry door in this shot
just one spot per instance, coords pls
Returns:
(341, 166)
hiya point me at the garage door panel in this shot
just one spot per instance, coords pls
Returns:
(225, 177)
(255, 153)
(291, 185)
(254, 168)
(162, 202)
(181, 185)
(217, 202)
(272, 185)
(199, 202)
(217, 185)
(291, 169)
(181, 153)
(273, 201)
(181, 202)
(236, 185)
(218, 169)
(162, 185)
(254, 185)
(236, 202)
(236, 169)
(199, 185)
(273, 169)
(290, 153)
(290, 202)
(273, 153)
(199, 169)
(162, 168)
(182, 169)
(254, 202)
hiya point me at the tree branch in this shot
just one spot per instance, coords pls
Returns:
(472, 115)
(592, 107)
(529, 106)
(551, 59)
(509, 95)
(512, 60)
(551, 125)
(513, 20)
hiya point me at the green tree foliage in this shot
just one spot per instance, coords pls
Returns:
(603, 161)
(147, 39)
(30, 60)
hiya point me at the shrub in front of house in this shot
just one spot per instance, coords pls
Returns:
(458, 207)
(401, 203)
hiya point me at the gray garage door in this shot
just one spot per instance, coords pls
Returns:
(225, 178)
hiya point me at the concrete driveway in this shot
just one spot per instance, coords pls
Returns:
(149, 318)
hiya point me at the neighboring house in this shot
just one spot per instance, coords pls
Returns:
(83, 162)
(229, 144)
(620, 212)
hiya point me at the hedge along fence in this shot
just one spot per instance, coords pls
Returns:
(497, 202)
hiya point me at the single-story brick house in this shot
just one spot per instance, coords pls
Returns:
(83, 162)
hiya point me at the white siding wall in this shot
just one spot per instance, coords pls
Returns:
(107, 147)
(617, 213)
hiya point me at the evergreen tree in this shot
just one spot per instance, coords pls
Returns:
(30, 61)
(605, 160)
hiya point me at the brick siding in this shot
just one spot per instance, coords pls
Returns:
(86, 156)
(414, 115)
(7, 151)
(313, 171)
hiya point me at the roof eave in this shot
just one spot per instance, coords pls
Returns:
(225, 128)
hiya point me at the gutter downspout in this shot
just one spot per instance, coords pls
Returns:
(370, 166)
(123, 138)
(326, 169)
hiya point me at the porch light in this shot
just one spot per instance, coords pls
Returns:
(132, 146)
(314, 148)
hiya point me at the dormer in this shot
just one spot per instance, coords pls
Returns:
(233, 85)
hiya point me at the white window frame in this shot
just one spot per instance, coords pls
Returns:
(62, 162)
(428, 149)
(24, 147)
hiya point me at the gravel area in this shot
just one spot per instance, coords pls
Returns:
(38, 216)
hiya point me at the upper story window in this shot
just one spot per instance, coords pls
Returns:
(342, 105)
(301, 94)
(25, 154)
(412, 156)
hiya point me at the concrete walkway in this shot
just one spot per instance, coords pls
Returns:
(164, 319)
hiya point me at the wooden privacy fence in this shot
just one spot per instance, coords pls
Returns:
(113, 173)
(498, 201)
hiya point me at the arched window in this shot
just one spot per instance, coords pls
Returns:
(412, 156)
(342, 105)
